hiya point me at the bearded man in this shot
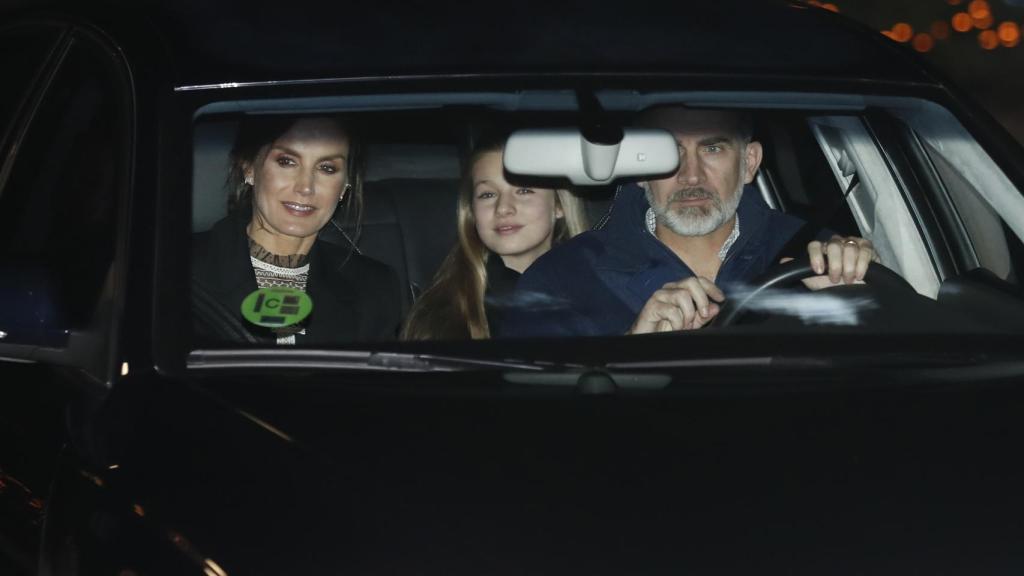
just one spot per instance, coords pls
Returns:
(657, 261)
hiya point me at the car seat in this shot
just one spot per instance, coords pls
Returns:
(409, 197)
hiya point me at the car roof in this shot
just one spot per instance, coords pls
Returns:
(231, 41)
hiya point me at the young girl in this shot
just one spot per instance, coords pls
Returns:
(502, 229)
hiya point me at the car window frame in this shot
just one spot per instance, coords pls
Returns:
(890, 177)
(12, 137)
(961, 245)
(93, 349)
(189, 102)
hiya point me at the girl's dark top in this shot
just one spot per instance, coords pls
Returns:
(501, 284)
(355, 298)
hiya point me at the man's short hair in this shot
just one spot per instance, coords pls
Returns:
(744, 119)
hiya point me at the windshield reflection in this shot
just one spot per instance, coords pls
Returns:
(812, 308)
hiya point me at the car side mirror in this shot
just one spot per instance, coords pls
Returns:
(566, 153)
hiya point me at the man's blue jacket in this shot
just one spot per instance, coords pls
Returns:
(597, 283)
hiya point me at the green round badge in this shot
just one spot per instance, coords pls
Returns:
(276, 307)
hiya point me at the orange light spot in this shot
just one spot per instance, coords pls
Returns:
(36, 503)
(830, 7)
(923, 42)
(1009, 34)
(988, 40)
(979, 9)
(902, 32)
(962, 22)
(139, 511)
(984, 23)
(889, 34)
(940, 29)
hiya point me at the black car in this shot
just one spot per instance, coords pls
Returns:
(886, 441)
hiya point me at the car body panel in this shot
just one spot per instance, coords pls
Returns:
(839, 451)
(293, 475)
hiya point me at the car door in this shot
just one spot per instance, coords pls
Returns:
(939, 208)
(67, 110)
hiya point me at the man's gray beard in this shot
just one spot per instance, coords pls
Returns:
(695, 220)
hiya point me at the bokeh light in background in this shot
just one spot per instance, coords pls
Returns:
(975, 43)
(902, 32)
(962, 22)
(975, 15)
(988, 40)
(826, 5)
(978, 8)
(923, 42)
(1009, 34)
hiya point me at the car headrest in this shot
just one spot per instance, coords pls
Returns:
(408, 224)
(210, 163)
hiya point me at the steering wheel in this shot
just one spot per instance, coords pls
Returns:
(781, 275)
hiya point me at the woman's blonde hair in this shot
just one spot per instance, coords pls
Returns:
(453, 306)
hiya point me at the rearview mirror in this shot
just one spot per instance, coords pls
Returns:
(564, 152)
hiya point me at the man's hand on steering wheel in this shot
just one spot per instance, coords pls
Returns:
(685, 305)
(841, 260)
(693, 303)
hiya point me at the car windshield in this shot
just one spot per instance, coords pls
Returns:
(377, 222)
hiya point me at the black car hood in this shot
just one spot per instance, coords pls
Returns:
(305, 476)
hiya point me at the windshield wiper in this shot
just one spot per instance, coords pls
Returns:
(359, 360)
(937, 367)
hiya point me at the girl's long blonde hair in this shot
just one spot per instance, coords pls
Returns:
(453, 306)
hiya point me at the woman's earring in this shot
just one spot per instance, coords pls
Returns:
(344, 191)
(249, 180)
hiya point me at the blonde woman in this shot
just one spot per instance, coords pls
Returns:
(502, 229)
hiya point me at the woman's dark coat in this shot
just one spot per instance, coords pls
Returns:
(355, 298)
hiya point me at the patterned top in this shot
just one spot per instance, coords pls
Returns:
(277, 271)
